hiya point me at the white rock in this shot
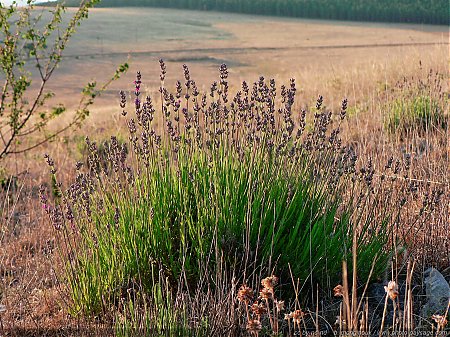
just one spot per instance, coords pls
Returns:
(437, 291)
(2, 308)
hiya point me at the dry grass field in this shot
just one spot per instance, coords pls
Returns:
(314, 52)
(372, 65)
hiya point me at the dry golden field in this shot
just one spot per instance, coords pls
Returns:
(321, 55)
(369, 64)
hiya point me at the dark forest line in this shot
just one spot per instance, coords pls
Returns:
(406, 11)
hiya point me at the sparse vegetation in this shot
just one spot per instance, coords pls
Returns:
(172, 225)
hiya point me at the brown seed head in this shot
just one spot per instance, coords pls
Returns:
(245, 294)
(254, 326)
(270, 282)
(392, 290)
(279, 305)
(258, 309)
(440, 320)
(297, 315)
(266, 294)
(338, 291)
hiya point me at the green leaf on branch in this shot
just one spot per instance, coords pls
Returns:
(58, 110)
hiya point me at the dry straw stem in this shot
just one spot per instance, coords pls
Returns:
(2, 310)
(350, 312)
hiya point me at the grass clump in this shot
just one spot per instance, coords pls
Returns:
(229, 185)
(417, 107)
(419, 113)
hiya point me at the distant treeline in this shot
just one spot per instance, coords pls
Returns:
(414, 11)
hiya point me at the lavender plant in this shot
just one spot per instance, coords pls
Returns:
(229, 182)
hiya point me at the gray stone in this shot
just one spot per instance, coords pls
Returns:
(437, 292)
